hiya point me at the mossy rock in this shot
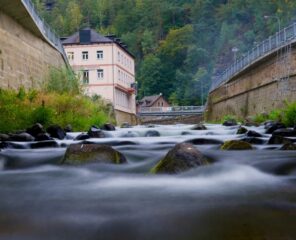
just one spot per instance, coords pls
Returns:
(236, 145)
(241, 130)
(289, 146)
(182, 157)
(77, 154)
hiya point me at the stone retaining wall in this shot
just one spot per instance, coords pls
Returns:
(24, 57)
(263, 87)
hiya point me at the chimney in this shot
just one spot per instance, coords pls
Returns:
(84, 36)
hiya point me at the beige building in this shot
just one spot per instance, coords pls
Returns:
(106, 68)
(155, 101)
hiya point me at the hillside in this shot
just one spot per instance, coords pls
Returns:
(178, 44)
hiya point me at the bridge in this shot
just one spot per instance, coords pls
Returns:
(259, 81)
(171, 111)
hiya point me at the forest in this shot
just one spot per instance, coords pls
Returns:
(179, 45)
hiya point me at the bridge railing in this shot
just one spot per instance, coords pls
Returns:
(44, 28)
(276, 41)
(171, 109)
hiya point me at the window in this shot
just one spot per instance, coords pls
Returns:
(85, 77)
(85, 55)
(70, 55)
(100, 73)
(100, 55)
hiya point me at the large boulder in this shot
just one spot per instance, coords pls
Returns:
(199, 127)
(236, 145)
(182, 157)
(56, 131)
(92, 153)
(35, 130)
(95, 132)
(108, 127)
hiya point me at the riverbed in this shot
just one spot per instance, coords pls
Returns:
(242, 195)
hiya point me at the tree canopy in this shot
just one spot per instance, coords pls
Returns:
(179, 44)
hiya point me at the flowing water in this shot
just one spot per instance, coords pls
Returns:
(243, 195)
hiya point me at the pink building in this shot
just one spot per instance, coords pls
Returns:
(106, 68)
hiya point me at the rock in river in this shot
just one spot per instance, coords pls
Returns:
(95, 132)
(92, 153)
(56, 131)
(182, 157)
(199, 127)
(230, 122)
(108, 127)
(236, 145)
(288, 146)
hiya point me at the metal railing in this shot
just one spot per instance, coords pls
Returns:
(172, 109)
(44, 28)
(275, 42)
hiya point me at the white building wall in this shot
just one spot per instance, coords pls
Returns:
(118, 69)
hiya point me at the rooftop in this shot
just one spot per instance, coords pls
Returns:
(89, 36)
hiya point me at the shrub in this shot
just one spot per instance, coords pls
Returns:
(260, 118)
(62, 80)
(289, 118)
(276, 115)
(228, 118)
(81, 112)
(42, 115)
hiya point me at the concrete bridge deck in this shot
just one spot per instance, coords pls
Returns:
(171, 111)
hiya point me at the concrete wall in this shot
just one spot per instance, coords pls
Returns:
(122, 117)
(261, 88)
(24, 57)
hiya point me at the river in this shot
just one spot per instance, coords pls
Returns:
(243, 195)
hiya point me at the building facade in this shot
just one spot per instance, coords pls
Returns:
(152, 101)
(105, 67)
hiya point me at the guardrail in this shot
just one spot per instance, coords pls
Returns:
(174, 110)
(44, 28)
(269, 45)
